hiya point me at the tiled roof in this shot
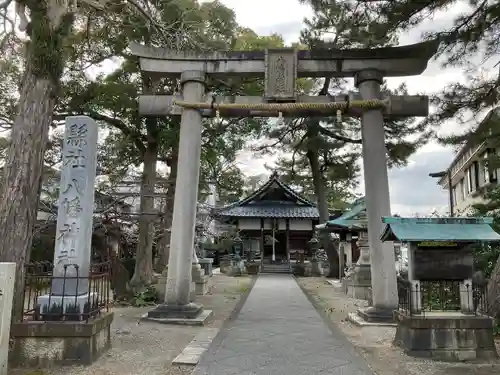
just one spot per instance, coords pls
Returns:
(252, 207)
(271, 211)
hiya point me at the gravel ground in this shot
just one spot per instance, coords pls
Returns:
(147, 348)
(375, 343)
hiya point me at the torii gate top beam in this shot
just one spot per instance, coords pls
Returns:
(401, 61)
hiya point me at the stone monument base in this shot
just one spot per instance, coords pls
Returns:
(316, 268)
(49, 307)
(45, 344)
(207, 265)
(357, 291)
(238, 269)
(161, 284)
(225, 264)
(359, 284)
(201, 287)
(376, 315)
(446, 336)
(190, 314)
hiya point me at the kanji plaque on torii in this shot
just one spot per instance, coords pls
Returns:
(280, 69)
(280, 75)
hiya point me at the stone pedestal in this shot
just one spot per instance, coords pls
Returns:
(358, 284)
(47, 344)
(238, 268)
(200, 280)
(225, 264)
(207, 265)
(316, 268)
(161, 284)
(72, 307)
(443, 336)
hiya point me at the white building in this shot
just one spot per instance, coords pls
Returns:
(129, 191)
(473, 170)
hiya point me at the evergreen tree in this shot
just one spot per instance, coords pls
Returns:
(332, 147)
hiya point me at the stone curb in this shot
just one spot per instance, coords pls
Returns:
(197, 347)
(209, 339)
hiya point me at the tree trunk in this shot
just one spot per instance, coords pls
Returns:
(168, 214)
(23, 175)
(324, 214)
(143, 272)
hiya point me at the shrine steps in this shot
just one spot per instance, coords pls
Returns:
(276, 268)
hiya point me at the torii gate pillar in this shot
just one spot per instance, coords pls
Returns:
(177, 305)
(383, 270)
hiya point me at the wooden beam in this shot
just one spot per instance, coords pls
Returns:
(326, 62)
(399, 106)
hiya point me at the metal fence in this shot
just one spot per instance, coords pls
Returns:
(41, 303)
(442, 296)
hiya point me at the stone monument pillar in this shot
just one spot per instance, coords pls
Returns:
(74, 219)
(348, 250)
(200, 280)
(177, 304)
(341, 253)
(383, 270)
(362, 276)
(413, 287)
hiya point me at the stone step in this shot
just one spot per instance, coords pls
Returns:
(276, 268)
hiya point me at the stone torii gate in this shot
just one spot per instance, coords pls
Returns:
(281, 68)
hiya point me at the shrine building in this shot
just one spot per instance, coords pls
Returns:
(274, 211)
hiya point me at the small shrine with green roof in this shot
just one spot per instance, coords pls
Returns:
(443, 311)
(348, 227)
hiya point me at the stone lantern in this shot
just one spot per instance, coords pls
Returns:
(316, 266)
(238, 266)
(237, 246)
(314, 244)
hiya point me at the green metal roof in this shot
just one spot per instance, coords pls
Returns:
(470, 229)
(354, 219)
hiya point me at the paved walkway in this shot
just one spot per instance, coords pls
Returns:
(278, 331)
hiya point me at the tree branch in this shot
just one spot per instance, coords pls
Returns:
(338, 137)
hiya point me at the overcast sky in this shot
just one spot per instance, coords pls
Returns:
(412, 191)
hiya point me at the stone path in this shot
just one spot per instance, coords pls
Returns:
(278, 331)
